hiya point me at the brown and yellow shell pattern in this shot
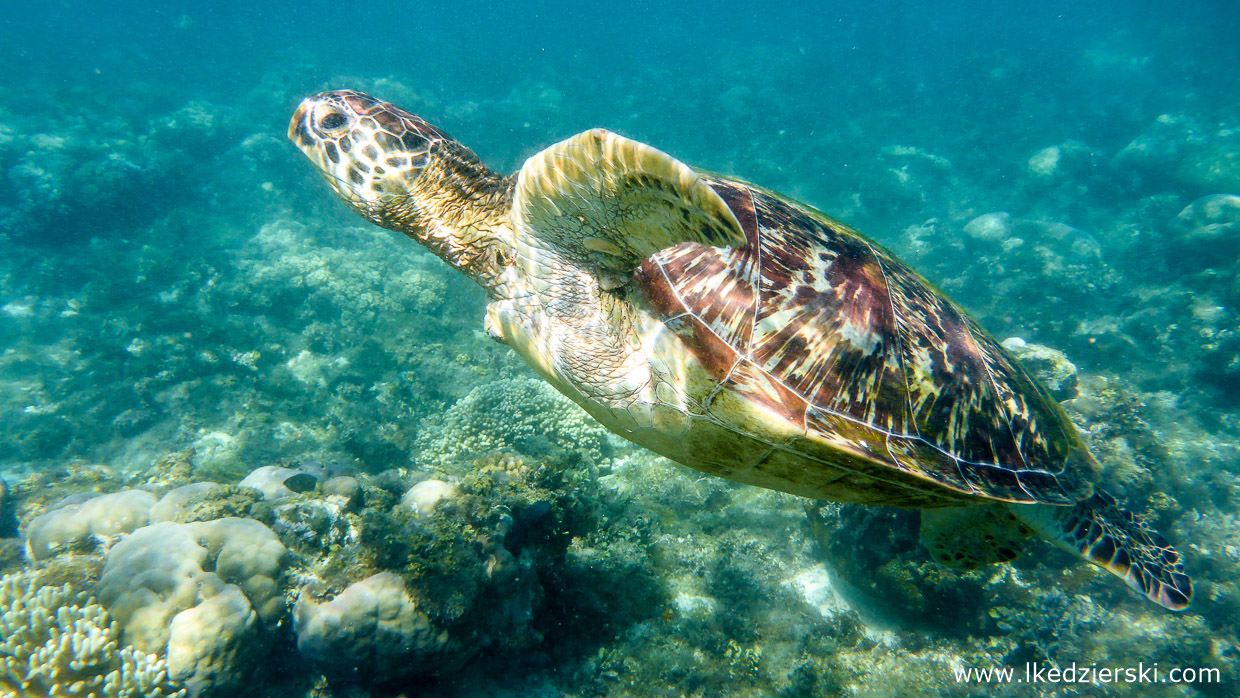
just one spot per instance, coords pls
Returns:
(853, 348)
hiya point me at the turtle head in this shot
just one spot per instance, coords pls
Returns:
(396, 170)
(370, 152)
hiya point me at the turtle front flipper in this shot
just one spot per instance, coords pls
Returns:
(606, 202)
(1100, 531)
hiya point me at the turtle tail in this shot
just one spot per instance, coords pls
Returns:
(1102, 532)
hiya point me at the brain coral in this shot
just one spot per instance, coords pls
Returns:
(204, 593)
(80, 517)
(55, 641)
(520, 414)
(371, 630)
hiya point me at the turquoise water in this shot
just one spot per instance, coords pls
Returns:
(182, 300)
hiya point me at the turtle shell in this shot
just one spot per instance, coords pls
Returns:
(868, 360)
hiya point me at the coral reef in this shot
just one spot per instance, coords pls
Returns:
(203, 594)
(277, 482)
(520, 414)
(182, 307)
(423, 497)
(57, 641)
(370, 629)
(80, 519)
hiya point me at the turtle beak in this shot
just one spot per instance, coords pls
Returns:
(303, 135)
(299, 128)
(295, 126)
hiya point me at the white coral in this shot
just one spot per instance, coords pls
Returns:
(56, 641)
(80, 517)
(276, 482)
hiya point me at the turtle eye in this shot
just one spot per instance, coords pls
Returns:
(500, 258)
(332, 121)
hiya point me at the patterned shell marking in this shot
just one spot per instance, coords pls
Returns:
(851, 346)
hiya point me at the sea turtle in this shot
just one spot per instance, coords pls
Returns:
(742, 334)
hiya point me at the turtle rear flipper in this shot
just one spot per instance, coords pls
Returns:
(1100, 531)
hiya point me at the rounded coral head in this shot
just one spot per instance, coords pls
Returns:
(371, 152)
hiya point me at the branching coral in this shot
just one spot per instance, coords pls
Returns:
(57, 641)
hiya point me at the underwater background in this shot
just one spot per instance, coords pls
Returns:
(252, 446)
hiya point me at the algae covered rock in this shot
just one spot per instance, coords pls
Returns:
(456, 563)
(990, 227)
(1152, 157)
(1070, 160)
(879, 552)
(204, 594)
(173, 505)
(211, 503)
(1050, 366)
(1180, 150)
(1207, 232)
(218, 454)
(8, 521)
(406, 594)
(1215, 164)
(345, 487)
(371, 630)
(996, 262)
(315, 524)
(519, 414)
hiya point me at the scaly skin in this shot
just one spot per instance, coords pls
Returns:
(399, 172)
